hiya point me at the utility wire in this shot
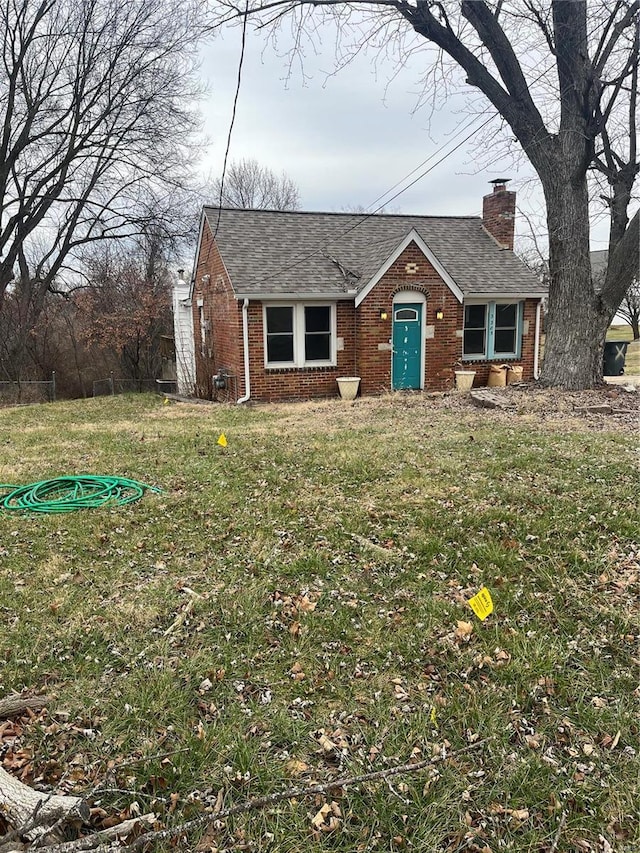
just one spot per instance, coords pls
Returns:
(243, 45)
(367, 216)
(420, 165)
(339, 236)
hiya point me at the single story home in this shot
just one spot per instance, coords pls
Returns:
(284, 303)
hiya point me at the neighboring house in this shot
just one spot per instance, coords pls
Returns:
(629, 309)
(599, 260)
(286, 302)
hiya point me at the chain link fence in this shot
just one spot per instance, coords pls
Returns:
(24, 392)
(28, 391)
(111, 385)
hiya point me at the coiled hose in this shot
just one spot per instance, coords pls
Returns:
(68, 494)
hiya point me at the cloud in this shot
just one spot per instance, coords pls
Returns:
(346, 138)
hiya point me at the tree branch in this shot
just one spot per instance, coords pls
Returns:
(256, 804)
(605, 49)
(12, 706)
(624, 265)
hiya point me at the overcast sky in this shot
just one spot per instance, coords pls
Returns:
(348, 138)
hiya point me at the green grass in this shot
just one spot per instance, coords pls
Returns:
(310, 577)
(620, 332)
(623, 332)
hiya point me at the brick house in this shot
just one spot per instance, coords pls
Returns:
(284, 303)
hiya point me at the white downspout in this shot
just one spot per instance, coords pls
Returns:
(536, 343)
(245, 343)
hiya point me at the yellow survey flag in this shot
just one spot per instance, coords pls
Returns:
(481, 603)
(222, 441)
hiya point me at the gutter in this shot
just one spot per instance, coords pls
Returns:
(504, 297)
(300, 296)
(245, 343)
(536, 343)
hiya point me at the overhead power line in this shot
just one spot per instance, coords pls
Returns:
(335, 237)
(243, 46)
(367, 216)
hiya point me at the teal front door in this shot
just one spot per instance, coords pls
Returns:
(406, 362)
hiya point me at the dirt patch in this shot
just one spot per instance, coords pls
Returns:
(605, 408)
(619, 409)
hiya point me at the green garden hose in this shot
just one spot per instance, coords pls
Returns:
(67, 494)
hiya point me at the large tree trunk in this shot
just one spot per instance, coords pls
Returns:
(577, 319)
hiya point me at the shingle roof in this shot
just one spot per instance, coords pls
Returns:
(267, 253)
(599, 259)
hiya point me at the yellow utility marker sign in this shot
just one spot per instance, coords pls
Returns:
(481, 603)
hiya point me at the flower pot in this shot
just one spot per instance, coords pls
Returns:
(464, 379)
(348, 386)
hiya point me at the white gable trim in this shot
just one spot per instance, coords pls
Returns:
(204, 221)
(197, 255)
(412, 237)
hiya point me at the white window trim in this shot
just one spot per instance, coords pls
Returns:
(299, 333)
(402, 298)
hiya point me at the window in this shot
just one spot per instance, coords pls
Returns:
(475, 331)
(299, 335)
(506, 328)
(492, 330)
(407, 314)
(317, 333)
(280, 335)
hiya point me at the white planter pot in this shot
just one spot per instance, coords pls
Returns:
(464, 379)
(348, 386)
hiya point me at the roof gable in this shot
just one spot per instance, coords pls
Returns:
(411, 237)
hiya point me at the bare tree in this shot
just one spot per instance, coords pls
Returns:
(563, 76)
(630, 308)
(248, 184)
(96, 125)
(127, 308)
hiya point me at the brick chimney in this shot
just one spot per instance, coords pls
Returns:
(499, 212)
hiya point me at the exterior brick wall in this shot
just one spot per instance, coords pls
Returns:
(441, 352)
(222, 348)
(277, 384)
(366, 336)
(499, 214)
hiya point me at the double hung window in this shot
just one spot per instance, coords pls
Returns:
(299, 335)
(492, 330)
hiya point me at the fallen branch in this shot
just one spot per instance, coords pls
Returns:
(94, 842)
(12, 706)
(561, 823)
(22, 806)
(180, 619)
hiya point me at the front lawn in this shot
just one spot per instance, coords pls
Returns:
(293, 608)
